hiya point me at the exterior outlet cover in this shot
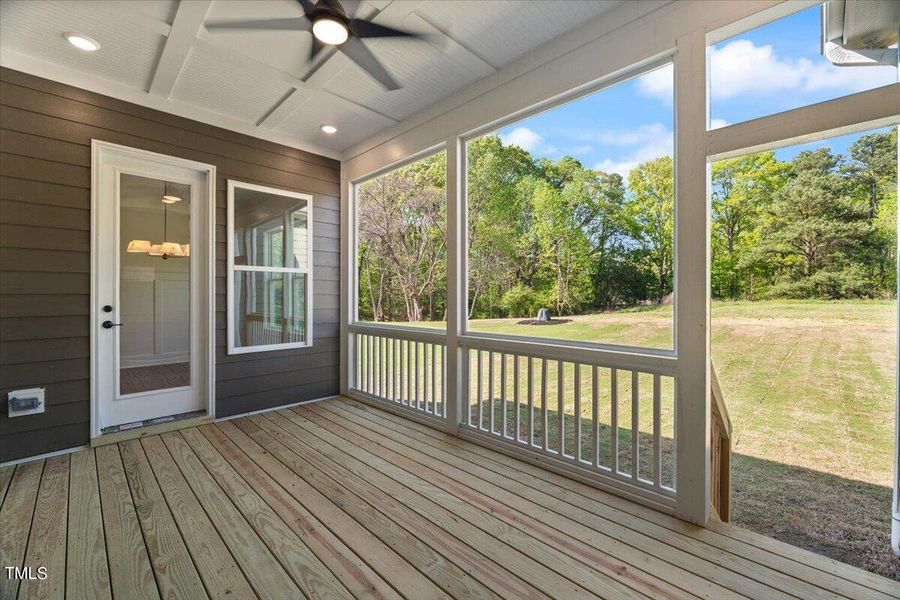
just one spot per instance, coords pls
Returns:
(25, 402)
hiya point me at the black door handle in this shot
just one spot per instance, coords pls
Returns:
(110, 324)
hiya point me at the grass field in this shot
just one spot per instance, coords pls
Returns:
(809, 386)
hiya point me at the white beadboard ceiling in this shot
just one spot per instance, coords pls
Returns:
(159, 54)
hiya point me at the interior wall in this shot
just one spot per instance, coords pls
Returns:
(45, 220)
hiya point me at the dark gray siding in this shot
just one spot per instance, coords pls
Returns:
(45, 157)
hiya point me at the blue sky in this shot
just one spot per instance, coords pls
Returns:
(771, 69)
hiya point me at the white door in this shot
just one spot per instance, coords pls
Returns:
(152, 297)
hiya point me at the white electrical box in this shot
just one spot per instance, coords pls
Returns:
(25, 402)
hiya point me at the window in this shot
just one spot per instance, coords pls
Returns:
(794, 62)
(269, 268)
(571, 216)
(401, 247)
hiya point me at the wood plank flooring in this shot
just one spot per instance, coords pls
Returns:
(341, 500)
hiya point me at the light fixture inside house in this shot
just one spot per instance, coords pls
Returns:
(83, 42)
(166, 249)
(139, 246)
(329, 30)
(329, 129)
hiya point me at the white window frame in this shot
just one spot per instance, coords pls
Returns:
(354, 242)
(554, 103)
(231, 268)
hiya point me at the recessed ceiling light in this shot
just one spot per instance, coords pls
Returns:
(83, 42)
(329, 129)
(329, 30)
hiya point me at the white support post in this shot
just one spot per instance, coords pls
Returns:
(692, 341)
(456, 285)
(348, 357)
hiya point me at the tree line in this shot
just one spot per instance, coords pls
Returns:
(557, 234)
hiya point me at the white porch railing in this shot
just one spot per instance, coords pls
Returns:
(600, 420)
(606, 416)
(406, 369)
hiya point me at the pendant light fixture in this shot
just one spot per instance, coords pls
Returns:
(166, 249)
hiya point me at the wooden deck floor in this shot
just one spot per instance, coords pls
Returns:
(340, 500)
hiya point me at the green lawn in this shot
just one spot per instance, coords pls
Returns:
(809, 386)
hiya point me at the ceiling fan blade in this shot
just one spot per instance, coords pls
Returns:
(291, 24)
(350, 7)
(308, 8)
(315, 48)
(368, 29)
(356, 51)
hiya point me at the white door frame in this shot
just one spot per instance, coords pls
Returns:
(100, 151)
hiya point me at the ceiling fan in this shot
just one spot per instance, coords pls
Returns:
(330, 25)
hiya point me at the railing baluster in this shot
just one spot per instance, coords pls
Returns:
(503, 393)
(635, 425)
(384, 369)
(614, 419)
(398, 366)
(371, 366)
(595, 417)
(517, 425)
(433, 378)
(491, 390)
(425, 377)
(444, 382)
(560, 409)
(577, 412)
(480, 409)
(530, 401)
(404, 375)
(416, 373)
(544, 402)
(657, 431)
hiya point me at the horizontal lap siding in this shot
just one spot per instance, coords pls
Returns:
(45, 237)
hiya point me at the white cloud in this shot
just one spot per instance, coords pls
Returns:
(524, 138)
(648, 147)
(743, 68)
(716, 123)
(585, 149)
(625, 137)
(659, 84)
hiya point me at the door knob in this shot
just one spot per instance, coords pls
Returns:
(110, 324)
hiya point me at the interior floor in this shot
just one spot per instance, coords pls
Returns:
(339, 499)
(154, 377)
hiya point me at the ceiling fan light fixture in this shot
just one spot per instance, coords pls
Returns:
(329, 30)
(83, 42)
(329, 129)
(169, 199)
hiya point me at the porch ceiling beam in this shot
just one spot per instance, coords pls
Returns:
(187, 24)
(444, 42)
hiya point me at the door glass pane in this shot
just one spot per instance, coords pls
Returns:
(260, 220)
(270, 308)
(154, 285)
